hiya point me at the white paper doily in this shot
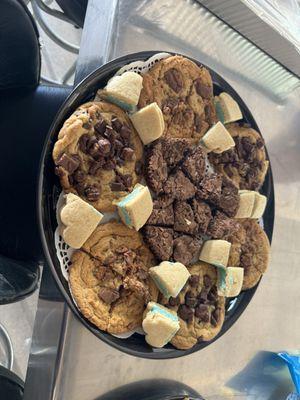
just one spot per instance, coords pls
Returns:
(141, 67)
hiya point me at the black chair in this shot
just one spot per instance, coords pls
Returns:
(27, 110)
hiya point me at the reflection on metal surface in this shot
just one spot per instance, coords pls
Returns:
(239, 365)
(186, 23)
(7, 358)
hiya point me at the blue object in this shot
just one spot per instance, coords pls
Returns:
(293, 363)
(156, 309)
(122, 204)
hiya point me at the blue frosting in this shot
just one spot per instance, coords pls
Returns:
(126, 216)
(222, 279)
(122, 205)
(130, 196)
(219, 111)
(158, 310)
(120, 103)
(161, 286)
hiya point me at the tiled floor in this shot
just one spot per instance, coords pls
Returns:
(18, 318)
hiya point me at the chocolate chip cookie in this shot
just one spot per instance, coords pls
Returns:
(251, 251)
(184, 92)
(201, 311)
(245, 164)
(109, 278)
(97, 153)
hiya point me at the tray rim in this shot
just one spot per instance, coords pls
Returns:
(65, 110)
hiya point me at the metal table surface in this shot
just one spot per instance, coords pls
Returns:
(66, 361)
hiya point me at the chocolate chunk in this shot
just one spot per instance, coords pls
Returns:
(156, 168)
(202, 312)
(174, 79)
(207, 281)
(91, 142)
(170, 105)
(174, 150)
(185, 313)
(222, 227)
(202, 215)
(229, 199)
(194, 166)
(197, 122)
(215, 317)
(184, 220)
(104, 146)
(79, 175)
(174, 301)
(205, 91)
(161, 216)
(210, 188)
(80, 188)
(260, 143)
(109, 165)
(83, 142)
(117, 187)
(127, 153)
(92, 193)
(100, 127)
(179, 186)
(111, 134)
(139, 167)
(126, 179)
(194, 280)
(160, 241)
(209, 114)
(116, 124)
(118, 147)
(190, 299)
(186, 248)
(95, 167)
(202, 296)
(94, 151)
(212, 294)
(125, 132)
(69, 162)
(108, 295)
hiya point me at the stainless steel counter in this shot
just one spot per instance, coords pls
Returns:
(67, 362)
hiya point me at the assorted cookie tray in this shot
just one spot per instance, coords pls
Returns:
(181, 174)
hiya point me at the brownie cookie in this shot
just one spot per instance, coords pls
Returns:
(220, 192)
(162, 158)
(186, 248)
(163, 213)
(160, 241)
(222, 227)
(184, 93)
(250, 249)
(194, 165)
(201, 311)
(97, 153)
(109, 278)
(245, 164)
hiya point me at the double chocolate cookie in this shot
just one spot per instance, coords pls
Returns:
(109, 278)
(98, 154)
(200, 309)
(245, 164)
(184, 93)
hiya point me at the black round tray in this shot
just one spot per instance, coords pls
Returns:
(49, 190)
